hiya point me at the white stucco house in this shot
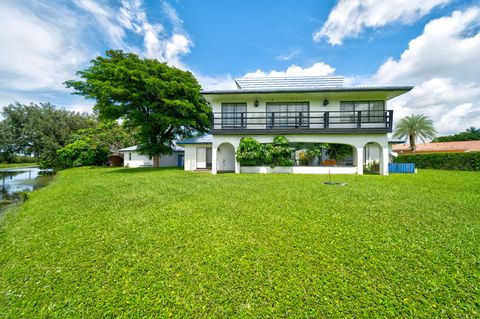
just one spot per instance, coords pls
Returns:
(131, 158)
(303, 109)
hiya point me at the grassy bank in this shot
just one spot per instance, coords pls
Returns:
(132, 243)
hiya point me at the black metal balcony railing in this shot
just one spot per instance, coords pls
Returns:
(302, 122)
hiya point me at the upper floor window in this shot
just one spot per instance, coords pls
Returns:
(287, 114)
(372, 111)
(234, 115)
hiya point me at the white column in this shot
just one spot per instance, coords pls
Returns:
(237, 164)
(384, 161)
(214, 158)
(359, 160)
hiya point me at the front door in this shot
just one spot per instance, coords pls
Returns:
(201, 157)
(180, 160)
(209, 157)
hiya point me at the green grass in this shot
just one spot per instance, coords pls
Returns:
(16, 165)
(134, 243)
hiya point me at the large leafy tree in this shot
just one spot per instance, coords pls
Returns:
(39, 130)
(413, 127)
(93, 145)
(160, 102)
(7, 145)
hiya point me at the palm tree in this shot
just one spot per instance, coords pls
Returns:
(415, 126)
(472, 130)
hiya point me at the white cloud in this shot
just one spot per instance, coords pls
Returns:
(444, 49)
(443, 65)
(350, 17)
(174, 48)
(292, 53)
(35, 52)
(224, 82)
(157, 42)
(172, 16)
(108, 21)
(45, 42)
(317, 69)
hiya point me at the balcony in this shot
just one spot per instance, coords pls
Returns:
(325, 122)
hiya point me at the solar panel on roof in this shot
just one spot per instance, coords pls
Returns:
(289, 82)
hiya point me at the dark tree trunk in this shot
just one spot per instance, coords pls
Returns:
(156, 160)
(412, 143)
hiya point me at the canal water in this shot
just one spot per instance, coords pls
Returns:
(14, 182)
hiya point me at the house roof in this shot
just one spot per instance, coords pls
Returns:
(312, 90)
(134, 148)
(289, 82)
(464, 146)
(392, 141)
(329, 85)
(205, 139)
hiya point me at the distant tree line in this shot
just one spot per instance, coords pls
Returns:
(38, 130)
(57, 138)
(470, 134)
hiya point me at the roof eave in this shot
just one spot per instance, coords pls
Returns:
(400, 89)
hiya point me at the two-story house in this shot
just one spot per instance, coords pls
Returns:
(304, 110)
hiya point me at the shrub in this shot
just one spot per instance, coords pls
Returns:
(83, 152)
(315, 150)
(449, 161)
(339, 152)
(252, 153)
(303, 157)
(281, 152)
(23, 159)
(373, 166)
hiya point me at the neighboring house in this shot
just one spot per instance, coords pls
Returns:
(115, 159)
(443, 147)
(132, 158)
(304, 110)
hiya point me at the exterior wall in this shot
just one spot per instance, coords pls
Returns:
(138, 160)
(191, 155)
(357, 141)
(226, 157)
(371, 153)
(377, 151)
(315, 105)
(170, 160)
(299, 170)
(315, 101)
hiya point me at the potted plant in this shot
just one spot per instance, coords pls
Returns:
(373, 166)
(315, 153)
(303, 158)
(339, 152)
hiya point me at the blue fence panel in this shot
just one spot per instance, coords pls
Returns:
(401, 167)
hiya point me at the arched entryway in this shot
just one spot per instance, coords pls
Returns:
(225, 158)
(373, 158)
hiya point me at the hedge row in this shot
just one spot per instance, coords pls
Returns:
(449, 161)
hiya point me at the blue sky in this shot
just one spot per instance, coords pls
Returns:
(431, 44)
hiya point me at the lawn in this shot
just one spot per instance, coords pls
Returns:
(134, 243)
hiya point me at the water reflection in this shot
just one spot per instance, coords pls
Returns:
(16, 181)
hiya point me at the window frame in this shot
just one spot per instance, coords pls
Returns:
(234, 119)
(377, 115)
(288, 121)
